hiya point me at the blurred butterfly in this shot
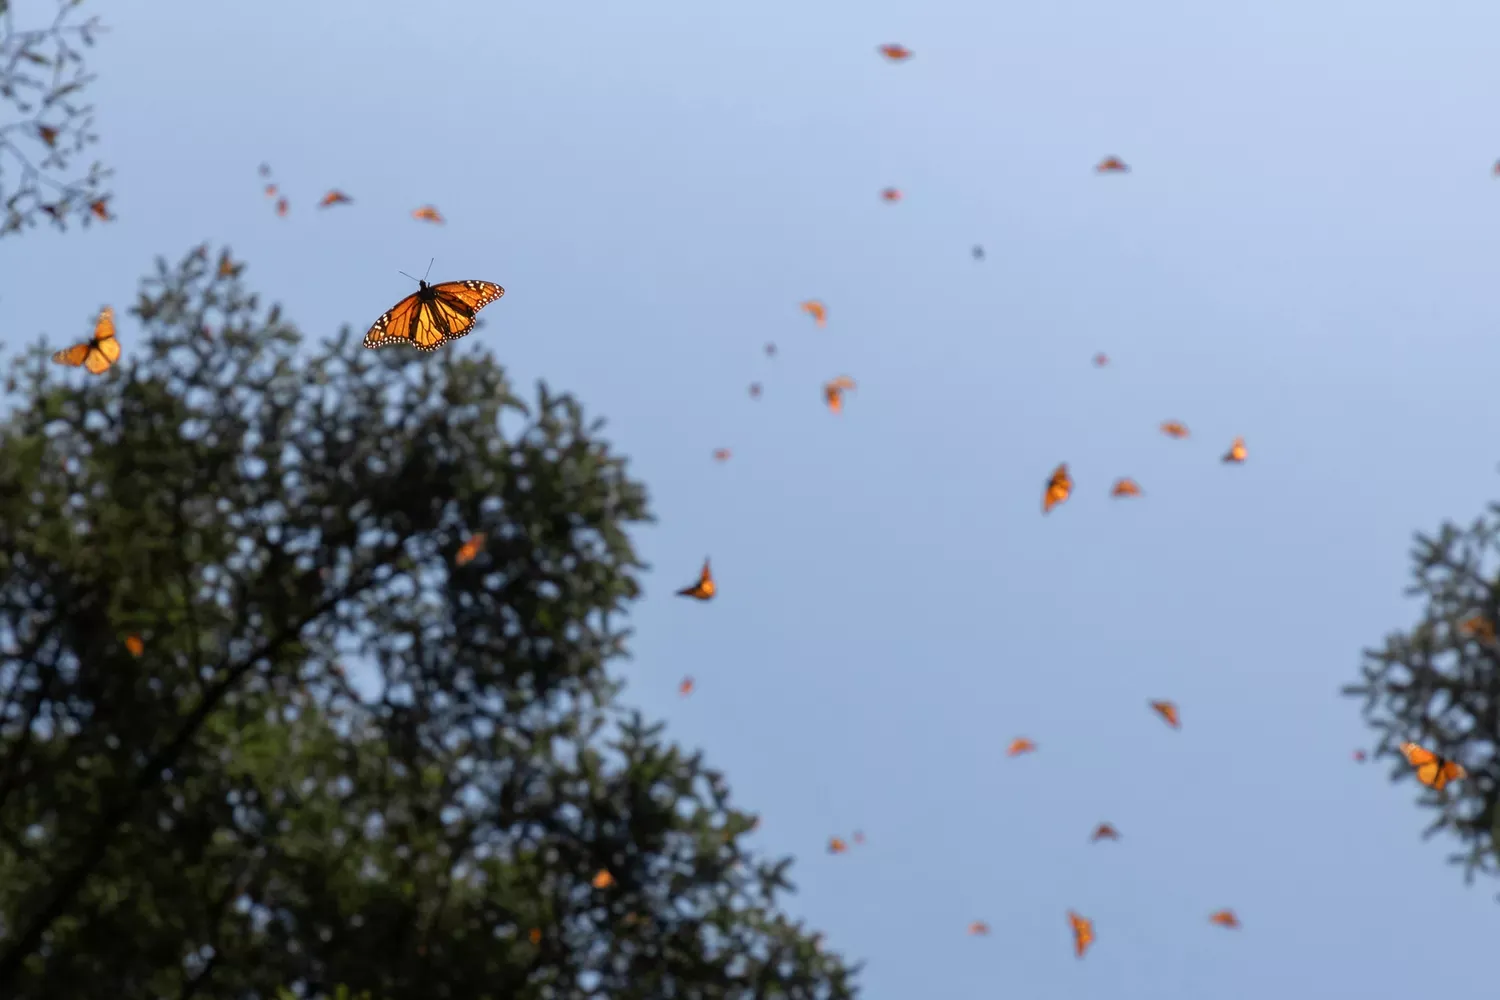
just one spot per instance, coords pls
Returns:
(1112, 165)
(1059, 488)
(134, 645)
(704, 589)
(281, 207)
(1100, 360)
(686, 687)
(1173, 429)
(1433, 770)
(833, 392)
(1478, 627)
(469, 549)
(1359, 756)
(754, 390)
(1167, 711)
(100, 208)
(265, 170)
(979, 928)
(1225, 918)
(1083, 933)
(770, 350)
(1020, 745)
(227, 267)
(1125, 488)
(433, 315)
(99, 352)
(1497, 168)
(836, 846)
(895, 53)
(1236, 452)
(859, 837)
(1104, 832)
(271, 190)
(603, 880)
(978, 252)
(334, 197)
(721, 454)
(534, 935)
(891, 195)
(427, 214)
(816, 310)
(48, 135)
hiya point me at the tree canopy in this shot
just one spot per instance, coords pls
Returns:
(206, 554)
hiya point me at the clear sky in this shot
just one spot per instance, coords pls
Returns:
(1304, 254)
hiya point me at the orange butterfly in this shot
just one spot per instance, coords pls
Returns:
(704, 589)
(334, 197)
(227, 267)
(1478, 627)
(1083, 933)
(1112, 165)
(604, 879)
(1104, 831)
(100, 208)
(134, 644)
(1173, 429)
(754, 390)
(49, 135)
(816, 310)
(1236, 452)
(770, 350)
(1225, 918)
(891, 194)
(1433, 770)
(534, 935)
(895, 53)
(469, 549)
(271, 190)
(281, 207)
(433, 315)
(1359, 756)
(836, 846)
(686, 687)
(427, 214)
(833, 392)
(979, 927)
(1100, 360)
(1059, 488)
(1167, 711)
(1125, 488)
(1020, 745)
(721, 454)
(99, 352)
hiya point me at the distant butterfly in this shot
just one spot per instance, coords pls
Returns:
(859, 837)
(891, 195)
(895, 53)
(534, 935)
(433, 315)
(754, 390)
(48, 135)
(833, 392)
(427, 214)
(1100, 360)
(603, 880)
(1125, 488)
(470, 548)
(281, 207)
(1059, 488)
(134, 645)
(1225, 918)
(978, 252)
(704, 589)
(100, 208)
(265, 170)
(686, 687)
(1168, 712)
(1112, 165)
(1433, 770)
(1173, 429)
(979, 928)
(1018, 746)
(1359, 756)
(721, 454)
(1083, 933)
(227, 267)
(1104, 832)
(836, 845)
(271, 190)
(816, 310)
(770, 350)
(334, 197)
(1478, 627)
(1496, 169)
(1236, 452)
(99, 352)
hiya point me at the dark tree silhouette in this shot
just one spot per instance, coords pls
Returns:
(1438, 684)
(44, 124)
(220, 810)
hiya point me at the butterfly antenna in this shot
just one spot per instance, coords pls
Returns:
(405, 275)
(429, 268)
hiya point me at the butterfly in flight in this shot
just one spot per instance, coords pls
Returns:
(836, 845)
(721, 454)
(1059, 488)
(1112, 165)
(770, 350)
(978, 252)
(1236, 452)
(427, 214)
(891, 195)
(833, 392)
(686, 687)
(1125, 488)
(1225, 918)
(100, 208)
(979, 928)
(1100, 360)
(603, 880)
(281, 207)
(1478, 627)
(469, 549)
(816, 310)
(859, 837)
(1104, 831)
(265, 170)
(1018, 746)
(1174, 429)
(1168, 712)
(754, 390)
(1083, 933)
(1433, 770)
(335, 197)
(227, 267)
(704, 589)
(895, 53)
(134, 645)
(99, 352)
(433, 315)
(1359, 756)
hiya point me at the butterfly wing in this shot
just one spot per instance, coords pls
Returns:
(72, 356)
(452, 312)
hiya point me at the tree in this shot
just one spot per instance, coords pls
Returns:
(1438, 684)
(197, 800)
(43, 125)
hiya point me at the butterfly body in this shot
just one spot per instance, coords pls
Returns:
(433, 315)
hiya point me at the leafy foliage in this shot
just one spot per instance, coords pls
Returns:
(45, 126)
(230, 814)
(1439, 684)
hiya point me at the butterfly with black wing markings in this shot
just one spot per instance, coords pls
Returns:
(433, 315)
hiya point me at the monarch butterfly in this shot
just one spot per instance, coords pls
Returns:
(979, 928)
(227, 267)
(891, 195)
(978, 252)
(469, 549)
(1433, 770)
(1020, 745)
(1101, 359)
(721, 454)
(271, 190)
(754, 390)
(1478, 627)
(704, 589)
(1059, 488)
(603, 880)
(1236, 452)
(1104, 831)
(134, 645)
(1174, 429)
(686, 687)
(836, 845)
(895, 53)
(1359, 756)
(534, 935)
(1125, 488)
(1225, 918)
(334, 197)
(433, 315)
(1167, 711)
(833, 392)
(281, 207)
(816, 310)
(98, 353)
(1112, 165)
(427, 214)
(1083, 933)
(48, 135)
(100, 208)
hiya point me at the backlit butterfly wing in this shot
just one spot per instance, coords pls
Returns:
(98, 353)
(427, 214)
(1059, 488)
(704, 589)
(891, 195)
(1225, 918)
(979, 928)
(816, 310)
(1174, 429)
(433, 315)
(1104, 831)
(1112, 165)
(1167, 711)
(334, 197)
(1433, 770)
(1125, 488)
(1236, 452)
(686, 687)
(895, 53)
(1083, 933)
(1018, 746)
(469, 549)
(836, 845)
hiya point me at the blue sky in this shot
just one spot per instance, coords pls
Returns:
(1304, 254)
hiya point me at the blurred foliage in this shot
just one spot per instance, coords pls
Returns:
(1438, 685)
(234, 813)
(44, 126)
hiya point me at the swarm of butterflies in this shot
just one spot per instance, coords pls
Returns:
(438, 314)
